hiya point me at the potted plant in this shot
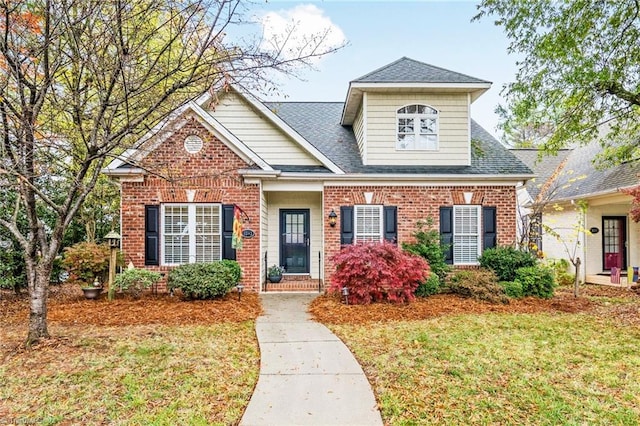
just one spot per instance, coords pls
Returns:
(274, 273)
(86, 264)
(92, 291)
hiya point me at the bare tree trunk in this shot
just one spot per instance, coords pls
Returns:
(38, 293)
(577, 279)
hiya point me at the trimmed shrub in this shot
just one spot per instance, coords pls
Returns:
(135, 281)
(377, 272)
(86, 261)
(513, 289)
(202, 280)
(504, 261)
(234, 268)
(428, 247)
(429, 287)
(479, 284)
(536, 281)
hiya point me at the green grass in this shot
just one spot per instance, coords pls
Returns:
(501, 369)
(191, 375)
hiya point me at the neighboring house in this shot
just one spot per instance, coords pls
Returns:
(403, 147)
(585, 208)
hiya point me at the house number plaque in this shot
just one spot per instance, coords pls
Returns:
(248, 233)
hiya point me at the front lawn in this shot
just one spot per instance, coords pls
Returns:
(504, 367)
(151, 361)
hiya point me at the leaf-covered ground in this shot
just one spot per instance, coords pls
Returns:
(606, 301)
(156, 360)
(161, 360)
(447, 360)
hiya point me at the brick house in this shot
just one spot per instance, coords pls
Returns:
(401, 148)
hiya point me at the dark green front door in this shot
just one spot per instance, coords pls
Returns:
(294, 240)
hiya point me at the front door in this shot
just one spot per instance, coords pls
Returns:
(294, 240)
(614, 242)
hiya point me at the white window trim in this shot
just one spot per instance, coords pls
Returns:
(355, 222)
(191, 230)
(479, 234)
(416, 127)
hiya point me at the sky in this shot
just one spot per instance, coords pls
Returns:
(379, 32)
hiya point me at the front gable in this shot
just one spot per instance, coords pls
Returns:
(193, 152)
(271, 142)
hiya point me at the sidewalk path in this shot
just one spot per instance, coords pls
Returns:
(307, 375)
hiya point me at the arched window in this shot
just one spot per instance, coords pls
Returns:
(417, 128)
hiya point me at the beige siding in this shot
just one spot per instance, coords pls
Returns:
(258, 133)
(358, 130)
(294, 200)
(453, 133)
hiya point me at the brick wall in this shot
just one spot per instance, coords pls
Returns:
(415, 203)
(210, 176)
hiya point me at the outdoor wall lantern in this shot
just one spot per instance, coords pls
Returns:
(345, 294)
(333, 217)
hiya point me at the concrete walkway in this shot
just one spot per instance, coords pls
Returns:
(307, 375)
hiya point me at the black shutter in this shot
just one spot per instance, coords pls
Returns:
(391, 224)
(228, 252)
(346, 225)
(446, 233)
(489, 227)
(152, 235)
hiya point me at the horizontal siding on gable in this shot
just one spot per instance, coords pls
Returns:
(453, 131)
(358, 130)
(258, 133)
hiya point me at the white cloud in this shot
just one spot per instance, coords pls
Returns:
(301, 31)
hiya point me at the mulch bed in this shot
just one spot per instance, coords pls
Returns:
(330, 309)
(67, 306)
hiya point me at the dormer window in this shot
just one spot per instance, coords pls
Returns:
(417, 128)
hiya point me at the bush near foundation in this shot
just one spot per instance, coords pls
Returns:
(202, 280)
(505, 260)
(479, 284)
(234, 267)
(135, 281)
(378, 272)
(428, 246)
(513, 289)
(536, 281)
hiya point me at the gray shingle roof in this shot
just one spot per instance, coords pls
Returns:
(597, 180)
(319, 123)
(543, 166)
(407, 70)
